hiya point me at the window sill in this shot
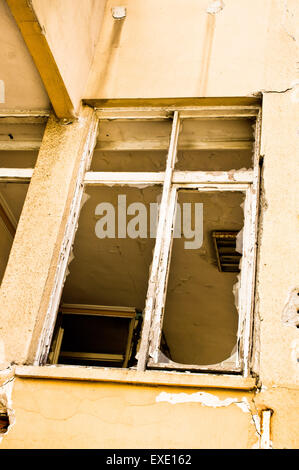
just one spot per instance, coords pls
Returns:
(129, 376)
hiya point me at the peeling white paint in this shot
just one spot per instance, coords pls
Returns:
(236, 288)
(215, 7)
(289, 316)
(6, 400)
(243, 405)
(266, 442)
(206, 399)
(256, 445)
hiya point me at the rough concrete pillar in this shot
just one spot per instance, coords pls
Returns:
(278, 267)
(28, 280)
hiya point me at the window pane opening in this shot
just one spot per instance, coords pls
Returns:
(131, 146)
(215, 145)
(201, 319)
(100, 314)
(18, 159)
(20, 142)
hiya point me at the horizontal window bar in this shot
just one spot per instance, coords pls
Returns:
(16, 174)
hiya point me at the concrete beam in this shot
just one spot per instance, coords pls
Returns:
(38, 46)
(61, 37)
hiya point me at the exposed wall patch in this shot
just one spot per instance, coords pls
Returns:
(215, 7)
(266, 442)
(290, 313)
(206, 399)
(119, 13)
(7, 415)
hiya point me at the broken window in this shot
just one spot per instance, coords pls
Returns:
(166, 235)
(108, 276)
(201, 318)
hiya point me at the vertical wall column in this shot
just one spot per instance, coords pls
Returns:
(28, 282)
(278, 267)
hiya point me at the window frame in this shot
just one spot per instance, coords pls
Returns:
(228, 365)
(173, 180)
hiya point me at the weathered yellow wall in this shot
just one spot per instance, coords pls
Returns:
(88, 411)
(175, 48)
(71, 32)
(23, 88)
(57, 414)
(278, 267)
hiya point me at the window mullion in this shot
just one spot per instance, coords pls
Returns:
(163, 213)
(217, 177)
(93, 178)
(15, 175)
(162, 276)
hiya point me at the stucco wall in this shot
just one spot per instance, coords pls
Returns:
(56, 414)
(21, 87)
(71, 32)
(175, 48)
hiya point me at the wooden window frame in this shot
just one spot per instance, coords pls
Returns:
(230, 365)
(246, 181)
